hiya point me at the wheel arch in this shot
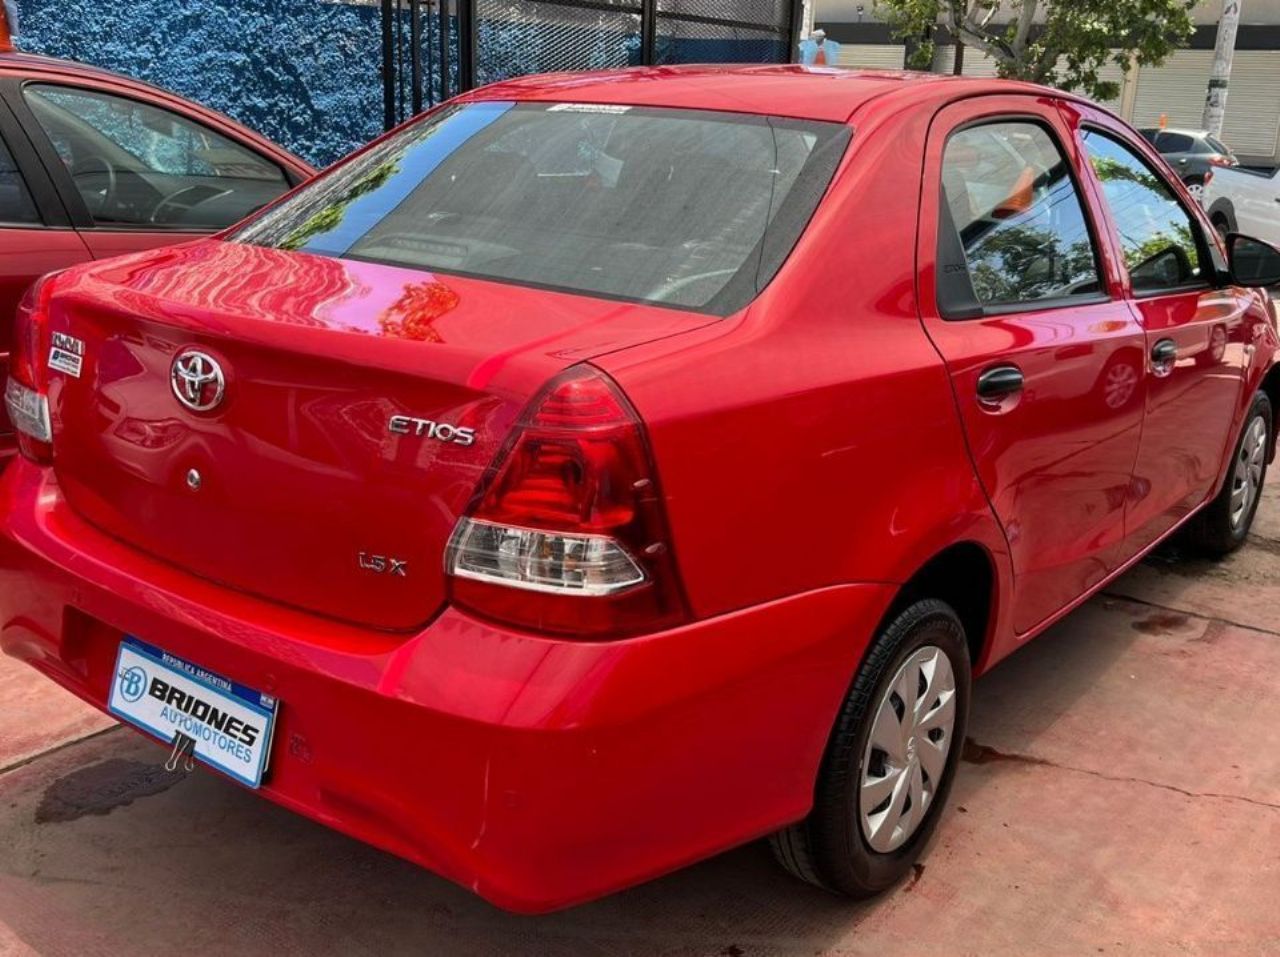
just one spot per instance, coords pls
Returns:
(1223, 209)
(1270, 384)
(965, 576)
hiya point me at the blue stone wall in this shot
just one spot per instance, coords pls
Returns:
(306, 72)
(303, 72)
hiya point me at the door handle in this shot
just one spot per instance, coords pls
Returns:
(1164, 352)
(998, 383)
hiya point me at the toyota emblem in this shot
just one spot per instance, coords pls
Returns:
(197, 380)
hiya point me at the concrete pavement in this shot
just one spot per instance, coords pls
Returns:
(1120, 794)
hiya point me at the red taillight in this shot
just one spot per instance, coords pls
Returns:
(568, 533)
(1219, 160)
(25, 392)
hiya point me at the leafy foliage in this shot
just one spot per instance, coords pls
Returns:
(1068, 49)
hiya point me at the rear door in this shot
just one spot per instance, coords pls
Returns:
(1195, 332)
(135, 174)
(1019, 298)
(35, 238)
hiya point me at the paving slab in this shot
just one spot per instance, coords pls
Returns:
(37, 715)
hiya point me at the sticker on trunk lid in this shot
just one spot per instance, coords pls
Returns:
(67, 354)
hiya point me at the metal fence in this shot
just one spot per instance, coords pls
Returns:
(308, 73)
(433, 49)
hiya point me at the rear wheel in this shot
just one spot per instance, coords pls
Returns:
(1222, 526)
(1196, 188)
(891, 758)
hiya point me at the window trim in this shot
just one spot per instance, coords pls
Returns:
(1209, 262)
(40, 186)
(78, 213)
(956, 301)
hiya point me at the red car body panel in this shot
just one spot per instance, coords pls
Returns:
(290, 447)
(30, 252)
(816, 449)
(541, 773)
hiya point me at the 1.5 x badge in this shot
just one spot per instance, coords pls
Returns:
(67, 354)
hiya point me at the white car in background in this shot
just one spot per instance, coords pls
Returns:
(1239, 200)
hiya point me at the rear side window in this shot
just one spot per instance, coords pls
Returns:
(684, 208)
(1012, 230)
(1157, 236)
(135, 164)
(1176, 143)
(16, 206)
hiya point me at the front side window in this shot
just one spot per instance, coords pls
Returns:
(684, 208)
(1157, 236)
(1012, 219)
(16, 206)
(135, 164)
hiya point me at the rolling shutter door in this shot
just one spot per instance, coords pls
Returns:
(1178, 89)
(1175, 89)
(872, 56)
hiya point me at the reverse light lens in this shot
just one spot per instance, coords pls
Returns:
(552, 562)
(28, 411)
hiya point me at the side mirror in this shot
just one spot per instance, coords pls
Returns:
(1252, 262)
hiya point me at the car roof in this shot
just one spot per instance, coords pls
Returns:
(832, 94)
(1182, 130)
(36, 65)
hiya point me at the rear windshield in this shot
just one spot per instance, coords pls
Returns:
(682, 208)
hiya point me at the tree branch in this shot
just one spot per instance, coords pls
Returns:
(962, 25)
(1025, 16)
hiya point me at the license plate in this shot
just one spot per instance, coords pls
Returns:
(163, 694)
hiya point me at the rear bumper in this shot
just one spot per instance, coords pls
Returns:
(538, 773)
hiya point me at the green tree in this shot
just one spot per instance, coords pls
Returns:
(1072, 42)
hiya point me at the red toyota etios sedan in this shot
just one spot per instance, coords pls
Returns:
(609, 469)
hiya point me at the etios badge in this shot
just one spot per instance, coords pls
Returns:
(197, 380)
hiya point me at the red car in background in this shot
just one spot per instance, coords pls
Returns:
(93, 164)
(609, 469)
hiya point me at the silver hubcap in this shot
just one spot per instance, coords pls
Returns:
(1197, 191)
(1246, 480)
(907, 752)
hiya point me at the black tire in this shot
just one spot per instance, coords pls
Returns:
(1212, 531)
(828, 848)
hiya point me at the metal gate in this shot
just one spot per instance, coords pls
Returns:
(433, 49)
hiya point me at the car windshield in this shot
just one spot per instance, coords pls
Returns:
(683, 208)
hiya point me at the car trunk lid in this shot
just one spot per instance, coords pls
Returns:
(362, 404)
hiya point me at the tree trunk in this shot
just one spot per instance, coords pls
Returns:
(1215, 101)
(957, 62)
